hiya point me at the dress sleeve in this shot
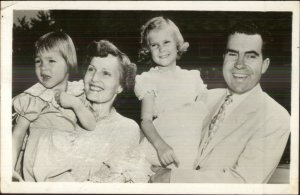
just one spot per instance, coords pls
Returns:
(201, 88)
(28, 106)
(144, 85)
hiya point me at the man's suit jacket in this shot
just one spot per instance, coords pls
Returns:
(248, 144)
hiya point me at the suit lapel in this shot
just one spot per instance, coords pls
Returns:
(237, 117)
(214, 101)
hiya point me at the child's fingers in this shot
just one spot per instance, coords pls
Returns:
(170, 158)
(57, 96)
(155, 168)
(163, 161)
(175, 159)
(167, 159)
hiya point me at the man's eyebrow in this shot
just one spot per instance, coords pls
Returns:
(231, 50)
(252, 52)
(247, 52)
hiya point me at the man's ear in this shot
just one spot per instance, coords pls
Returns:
(265, 65)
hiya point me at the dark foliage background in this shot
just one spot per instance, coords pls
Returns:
(204, 30)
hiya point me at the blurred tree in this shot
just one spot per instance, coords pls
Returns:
(43, 23)
(26, 33)
(23, 25)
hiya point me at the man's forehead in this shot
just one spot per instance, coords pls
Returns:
(244, 42)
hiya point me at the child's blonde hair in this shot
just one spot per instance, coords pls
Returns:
(61, 42)
(160, 23)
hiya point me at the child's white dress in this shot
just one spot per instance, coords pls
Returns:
(177, 115)
(52, 130)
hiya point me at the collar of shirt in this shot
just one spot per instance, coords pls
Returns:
(237, 99)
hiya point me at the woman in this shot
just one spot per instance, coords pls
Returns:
(110, 153)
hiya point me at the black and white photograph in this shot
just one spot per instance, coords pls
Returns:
(150, 97)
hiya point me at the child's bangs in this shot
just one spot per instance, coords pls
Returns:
(48, 45)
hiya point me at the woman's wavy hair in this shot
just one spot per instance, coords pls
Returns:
(127, 69)
(160, 22)
(60, 42)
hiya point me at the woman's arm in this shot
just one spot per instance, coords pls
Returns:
(165, 152)
(84, 115)
(18, 135)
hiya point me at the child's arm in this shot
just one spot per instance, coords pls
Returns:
(18, 134)
(165, 152)
(84, 115)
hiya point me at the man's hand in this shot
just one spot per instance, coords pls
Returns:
(162, 175)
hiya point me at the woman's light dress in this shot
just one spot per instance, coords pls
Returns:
(110, 153)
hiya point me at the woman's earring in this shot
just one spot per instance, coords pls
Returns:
(119, 90)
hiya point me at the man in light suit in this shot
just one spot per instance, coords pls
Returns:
(246, 144)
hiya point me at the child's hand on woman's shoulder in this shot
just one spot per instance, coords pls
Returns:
(66, 100)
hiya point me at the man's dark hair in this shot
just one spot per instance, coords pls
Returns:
(250, 28)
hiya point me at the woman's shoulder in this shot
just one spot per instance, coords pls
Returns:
(127, 125)
(127, 122)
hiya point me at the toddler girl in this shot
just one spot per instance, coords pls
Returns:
(172, 107)
(51, 127)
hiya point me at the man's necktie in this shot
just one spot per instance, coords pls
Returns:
(214, 123)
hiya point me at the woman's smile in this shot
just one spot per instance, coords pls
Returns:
(96, 88)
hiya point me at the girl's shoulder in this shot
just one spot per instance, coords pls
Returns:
(36, 93)
(40, 93)
(193, 72)
(146, 83)
(148, 75)
(28, 106)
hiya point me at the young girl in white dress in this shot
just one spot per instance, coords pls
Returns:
(172, 98)
(51, 127)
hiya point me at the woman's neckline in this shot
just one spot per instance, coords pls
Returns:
(106, 117)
